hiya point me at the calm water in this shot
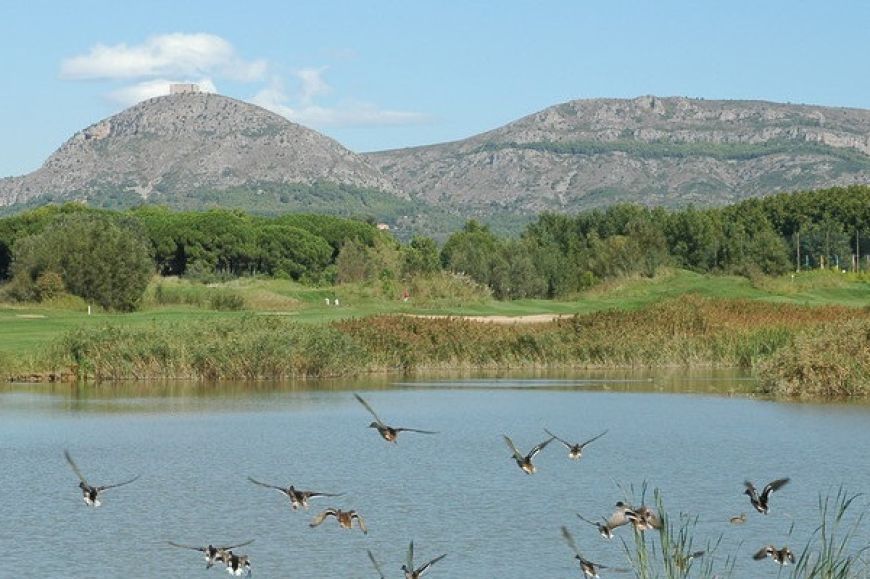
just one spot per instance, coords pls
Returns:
(456, 492)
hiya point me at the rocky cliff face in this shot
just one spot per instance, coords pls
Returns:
(179, 149)
(655, 151)
(187, 142)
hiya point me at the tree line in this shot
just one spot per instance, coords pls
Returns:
(107, 257)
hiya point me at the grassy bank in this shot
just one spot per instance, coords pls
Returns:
(802, 334)
(688, 331)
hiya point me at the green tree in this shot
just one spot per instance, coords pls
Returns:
(102, 259)
(420, 257)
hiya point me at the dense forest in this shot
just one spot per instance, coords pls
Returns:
(108, 256)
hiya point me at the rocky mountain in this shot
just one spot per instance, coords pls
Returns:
(197, 150)
(649, 150)
(182, 143)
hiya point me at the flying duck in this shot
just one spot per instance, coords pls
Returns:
(90, 493)
(575, 451)
(525, 462)
(416, 573)
(643, 518)
(782, 556)
(760, 502)
(589, 568)
(388, 433)
(345, 519)
(606, 526)
(297, 498)
(213, 554)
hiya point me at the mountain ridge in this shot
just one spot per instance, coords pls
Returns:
(651, 150)
(191, 141)
(206, 150)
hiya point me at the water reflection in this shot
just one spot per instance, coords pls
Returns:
(198, 396)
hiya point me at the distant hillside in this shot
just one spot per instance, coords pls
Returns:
(194, 151)
(176, 145)
(648, 150)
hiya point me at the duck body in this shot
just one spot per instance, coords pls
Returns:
(388, 433)
(782, 556)
(760, 502)
(525, 461)
(575, 450)
(345, 519)
(298, 498)
(90, 493)
(213, 553)
(238, 565)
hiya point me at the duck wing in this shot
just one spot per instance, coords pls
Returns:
(621, 516)
(322, 517)
(191, 547)
(425, 567)
(569, 538)
(517, 454)
(120, 484)
(593, 523)
(539, 447)
(361, 522)
(772, 487)
(375, 563)
(409, 557)
(370, 409)
(750, 490)
(228, 547)
(415, 430)
(593, 439)
(75, 467)
(567, 444)
(312, 494)
(268, 486)
(764, 552)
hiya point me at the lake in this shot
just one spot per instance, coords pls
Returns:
(696, 437)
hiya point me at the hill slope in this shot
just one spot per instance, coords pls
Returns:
(655, 151)
(177, 144)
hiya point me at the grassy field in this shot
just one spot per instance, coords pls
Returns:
(25, 329)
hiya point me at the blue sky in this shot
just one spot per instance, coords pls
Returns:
(385, 74)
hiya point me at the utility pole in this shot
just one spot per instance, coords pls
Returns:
(798, 245)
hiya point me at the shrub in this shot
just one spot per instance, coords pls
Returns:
(227, 301)
(832, 360)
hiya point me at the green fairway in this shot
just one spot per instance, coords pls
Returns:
(25, 329)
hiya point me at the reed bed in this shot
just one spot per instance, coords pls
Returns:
(836, 548)
(249, 348)
(684, 332)
(830, 360)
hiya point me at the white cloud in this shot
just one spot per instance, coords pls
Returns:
(313, 84)
(160, 56)
(146, 68)
(305, 112)
(130, 95)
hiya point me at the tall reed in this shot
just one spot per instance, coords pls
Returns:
(831, 552)
(671, 552)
